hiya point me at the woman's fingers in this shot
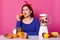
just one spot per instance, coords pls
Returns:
(17, 17)
(25, 34)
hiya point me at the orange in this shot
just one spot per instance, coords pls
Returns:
(19, 34)
(9, 36)
(15, 36)
(20, 15)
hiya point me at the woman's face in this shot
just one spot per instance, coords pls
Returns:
(26, 11)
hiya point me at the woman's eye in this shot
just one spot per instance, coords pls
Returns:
(26, 9)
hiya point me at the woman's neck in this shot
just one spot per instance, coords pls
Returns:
(27, 18)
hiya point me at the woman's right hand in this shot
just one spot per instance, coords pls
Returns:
(18, 16)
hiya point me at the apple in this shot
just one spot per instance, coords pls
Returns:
(43, 34)
(50, 35)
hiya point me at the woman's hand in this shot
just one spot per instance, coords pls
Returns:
(24, 35)
(18, 16)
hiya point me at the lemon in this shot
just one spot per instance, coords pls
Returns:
(46, 35)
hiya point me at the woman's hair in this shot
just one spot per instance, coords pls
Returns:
(30, 8)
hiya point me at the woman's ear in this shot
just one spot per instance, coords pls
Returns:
(30, 11)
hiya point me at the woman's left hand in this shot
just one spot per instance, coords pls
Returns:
(24, 34)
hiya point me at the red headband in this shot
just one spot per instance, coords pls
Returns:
(27, 3)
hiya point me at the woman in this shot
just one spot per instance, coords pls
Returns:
(28, 23)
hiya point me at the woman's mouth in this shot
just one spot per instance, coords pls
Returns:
(25, 14)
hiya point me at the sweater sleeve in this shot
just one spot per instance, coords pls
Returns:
(37, 26)
(18, 24)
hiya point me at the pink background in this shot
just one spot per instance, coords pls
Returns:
(9, 9)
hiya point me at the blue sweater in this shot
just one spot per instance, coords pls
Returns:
(30, 29)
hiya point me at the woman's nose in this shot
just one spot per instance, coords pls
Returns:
(24, 12)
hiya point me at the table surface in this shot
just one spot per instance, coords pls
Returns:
(30, 38)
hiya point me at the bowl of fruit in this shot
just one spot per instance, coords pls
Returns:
(18, 34)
